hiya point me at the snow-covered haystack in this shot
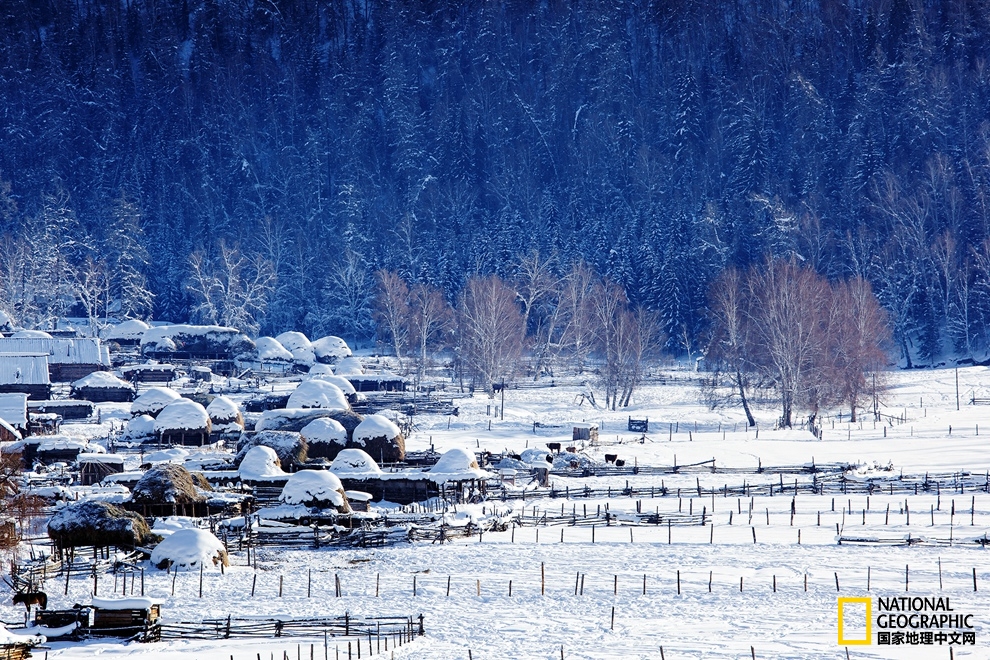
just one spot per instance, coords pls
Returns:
(152, 401)
(287, 445)
(139, 429)
(212, 340)
(189, 548)
(381, 438)
(350, 366)
(128, 331)
(101, 386)
(299, 345)
(317, 393)
(537, 457)
(315, 488)
(260, 463)
(97, 524)
(572, 461)
(355, 464)
(268, 349)
(169, 483)
(345, 385)
(330, 349)
(457, 464)
(30, 334)
(184, 422)
(324, 437)
(169, 455)
(225, 415)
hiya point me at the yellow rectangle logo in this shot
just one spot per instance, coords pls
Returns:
(868, 603)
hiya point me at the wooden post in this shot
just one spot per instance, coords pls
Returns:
(448, 586)
(836, 581)
(280, 579)
(201, 580)
(543, 581)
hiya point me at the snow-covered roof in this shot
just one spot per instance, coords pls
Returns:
(24, 369)
(288, 418)
(7, 637)
(90, 457)
(130, 330)
(375, 426)
(222, 409)
(102, 379)
(326, 430)
(170, 455)
(63, 442)
(178, 336)
(86, 350)
(13, 409)
(132, 603)
(330, 348)
(317, 394)
(154, 400)
(260, 463)
(270, 350)
(188, 547)
(320, 369)
(455, 465)
(310, 486)
(348, 366)
(345, 385)
(31, 334)
(181, 415)
(354, 462)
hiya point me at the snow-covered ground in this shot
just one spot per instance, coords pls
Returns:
(758, 580)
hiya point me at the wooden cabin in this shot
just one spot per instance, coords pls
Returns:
(64, 408)
(68, 359)
(102, 386)
(586, 432)
(26, 373)
(124, 617)
(378, 382)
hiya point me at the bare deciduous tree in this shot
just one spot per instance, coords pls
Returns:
(861, 336)
(91, 286)
(490, 328)
(430, 317)
(392, 309)
(231, 289)
(578, 327)
(729, 342)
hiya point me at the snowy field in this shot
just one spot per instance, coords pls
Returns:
(760, 577)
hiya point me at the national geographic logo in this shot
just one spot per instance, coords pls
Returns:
(903, 620)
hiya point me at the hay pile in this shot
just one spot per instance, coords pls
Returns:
(98, 524)
(289, 446)
(170, 484)
(380, 438)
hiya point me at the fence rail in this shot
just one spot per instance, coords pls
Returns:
(341, 626)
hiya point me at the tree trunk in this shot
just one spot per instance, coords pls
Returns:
(745, 401)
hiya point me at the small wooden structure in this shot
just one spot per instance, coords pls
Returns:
(379, 382)
(587, 432)
(13, 411)
(64, 408)
(26, 373)
(94, 467)
(102, 386)
(125, 617)
(68, 359)
(639, 425)
(148, 373)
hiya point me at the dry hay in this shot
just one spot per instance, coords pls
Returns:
(169, 484)
(99, 524)
(289, 446)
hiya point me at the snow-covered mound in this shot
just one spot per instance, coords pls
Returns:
(213, 339)
(330, 349)
(139, 429)
(325, 430)
(317, 394)
(102, 380)
(168, 483)
(30, 334)
(355, 463)
(170, 455)
(316, 488)
(536, 457)
(287, 445)
(259, 463)
(268, 349)
(380, 437)
(64, 442)
(7, 637)
(131, 330)
(350, 366)
(457, 464)
(225, 415)
(345, 385)
(152, 401)
(291, 419)
(182, 415)
(571, 461)
(299, 345)
(189, 548)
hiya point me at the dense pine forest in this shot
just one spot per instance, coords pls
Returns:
(305, 146)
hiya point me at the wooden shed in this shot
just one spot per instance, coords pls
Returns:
(68, 359)
(183, 422)
(64, 408)
(102, 386)
(124, 617)
(148, 373)
(14, 412)
(94, 467)
(587, 432)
